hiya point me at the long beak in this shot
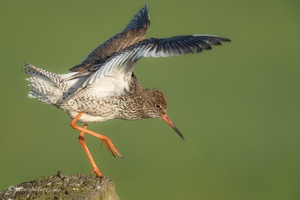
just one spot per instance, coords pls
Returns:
(167, 119)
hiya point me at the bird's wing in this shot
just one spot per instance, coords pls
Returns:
(134, 32)
(113, 77)
(123, 62)
(140, 20)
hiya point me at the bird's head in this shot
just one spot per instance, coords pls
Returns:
(156, 107)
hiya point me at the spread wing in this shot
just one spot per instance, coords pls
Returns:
(134, 32)
(113, 76)
(123, 61)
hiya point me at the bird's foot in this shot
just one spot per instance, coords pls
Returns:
(97, 172)
(111, 147)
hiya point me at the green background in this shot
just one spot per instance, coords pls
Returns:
(237, 105)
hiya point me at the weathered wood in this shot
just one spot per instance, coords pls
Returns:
(75, 186)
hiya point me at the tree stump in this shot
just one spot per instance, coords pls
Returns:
(75, 186)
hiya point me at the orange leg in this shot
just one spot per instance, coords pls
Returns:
(110, 146)
(83, 144)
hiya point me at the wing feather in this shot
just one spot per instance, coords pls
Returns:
(134, 32)
(124, 61)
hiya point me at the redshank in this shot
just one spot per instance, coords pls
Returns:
(103, 86)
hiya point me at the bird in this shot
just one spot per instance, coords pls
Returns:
(104, 86)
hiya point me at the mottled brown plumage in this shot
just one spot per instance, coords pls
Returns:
(103, 86)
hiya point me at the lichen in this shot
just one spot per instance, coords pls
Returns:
(76, 186)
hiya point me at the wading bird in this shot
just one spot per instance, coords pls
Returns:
(103, 86)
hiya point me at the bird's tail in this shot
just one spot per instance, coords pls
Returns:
(46, 86)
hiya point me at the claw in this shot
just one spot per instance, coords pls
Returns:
(101, 142)
(97, 172)
(111, 148)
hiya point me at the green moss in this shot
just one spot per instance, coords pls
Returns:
(75, 186)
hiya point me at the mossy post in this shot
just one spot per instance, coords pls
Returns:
(75, 186)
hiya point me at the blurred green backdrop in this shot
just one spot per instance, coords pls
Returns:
(237, 105)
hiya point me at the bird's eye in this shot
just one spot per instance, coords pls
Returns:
(158, 106)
